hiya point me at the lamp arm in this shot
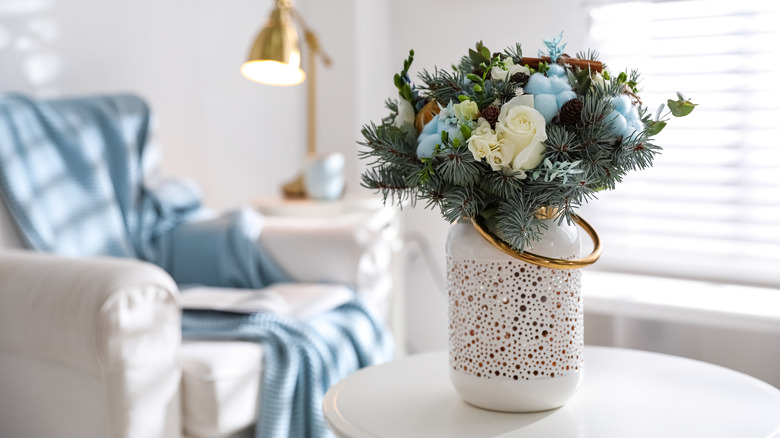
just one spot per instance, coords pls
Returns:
(310, 37)
(311, 88)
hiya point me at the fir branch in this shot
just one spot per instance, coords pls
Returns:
(387, 143)
(457, 166)
(501, 185)
(516, 53)
(389, 183)
(590, 55)
(515, 223)
(461, 202)
(442, 85)
(562, 144)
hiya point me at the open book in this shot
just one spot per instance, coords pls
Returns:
(299, 300)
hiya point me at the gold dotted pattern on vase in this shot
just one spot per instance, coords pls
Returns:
(514, 320)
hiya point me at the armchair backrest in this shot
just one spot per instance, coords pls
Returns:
(10, 236)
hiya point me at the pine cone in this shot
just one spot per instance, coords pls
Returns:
(571, 112)
(495, 54)
(491, 115)
(520, 78)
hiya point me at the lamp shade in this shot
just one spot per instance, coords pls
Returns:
(275, 57)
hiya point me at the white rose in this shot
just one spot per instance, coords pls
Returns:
(405, 113)
(499, 158)
(522, 128)
(481, 145)
(499, 74)
(483, 128)
(467, 110)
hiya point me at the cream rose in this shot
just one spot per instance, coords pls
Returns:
(405, 113)
(522, 129)
(483, 128)
(499, 74)
(467, 110)
(481, 145)
(499, 158)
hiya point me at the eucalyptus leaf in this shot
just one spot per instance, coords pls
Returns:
(654, 127)
(680, 109)
(584, 85)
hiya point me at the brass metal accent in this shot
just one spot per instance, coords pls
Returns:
(539, 260)
(275, 60)
(547, 213)
(275, 55)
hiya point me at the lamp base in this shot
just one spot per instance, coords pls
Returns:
(295, 189)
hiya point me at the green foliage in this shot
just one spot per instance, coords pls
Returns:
(680, 108)
(580, 159)
(443, 86)
(402, 82)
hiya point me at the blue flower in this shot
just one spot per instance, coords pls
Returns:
(431, 132)
(550, 93)
(625, 117)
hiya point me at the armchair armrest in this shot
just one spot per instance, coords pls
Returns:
(104, 333)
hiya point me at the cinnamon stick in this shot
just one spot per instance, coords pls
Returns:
(595, 66)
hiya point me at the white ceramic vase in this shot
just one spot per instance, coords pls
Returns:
(515, 328)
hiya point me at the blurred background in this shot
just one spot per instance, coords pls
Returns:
(708, 212)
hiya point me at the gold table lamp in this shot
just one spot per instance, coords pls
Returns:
(275, 59)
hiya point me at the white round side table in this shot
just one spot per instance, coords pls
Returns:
(625, 393)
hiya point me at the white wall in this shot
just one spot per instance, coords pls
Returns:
(239, 139)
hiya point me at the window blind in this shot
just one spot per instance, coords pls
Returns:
(710, 207)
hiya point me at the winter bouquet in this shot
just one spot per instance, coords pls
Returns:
(502, 137)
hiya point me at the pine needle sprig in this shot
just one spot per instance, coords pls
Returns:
(462, 202)
(501, 185)
(389, 183)
(562, 144)
(457, 166)
(442, 85)
(387, 143)
(516, 224)
(516, 53)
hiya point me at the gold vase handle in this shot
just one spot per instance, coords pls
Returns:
(539, 260)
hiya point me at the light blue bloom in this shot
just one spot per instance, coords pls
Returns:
(622, 104)
(625, 118)
(431, 133)
(549, 94)
(430, 127)
(564, 97)
(556, 71)
(538, 83)
(559, 85)
(428, 144)
(547, 105)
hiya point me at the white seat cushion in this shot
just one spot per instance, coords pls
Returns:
(220, 387)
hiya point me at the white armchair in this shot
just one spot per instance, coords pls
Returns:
(92, 347)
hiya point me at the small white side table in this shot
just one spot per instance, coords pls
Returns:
(625, 393)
